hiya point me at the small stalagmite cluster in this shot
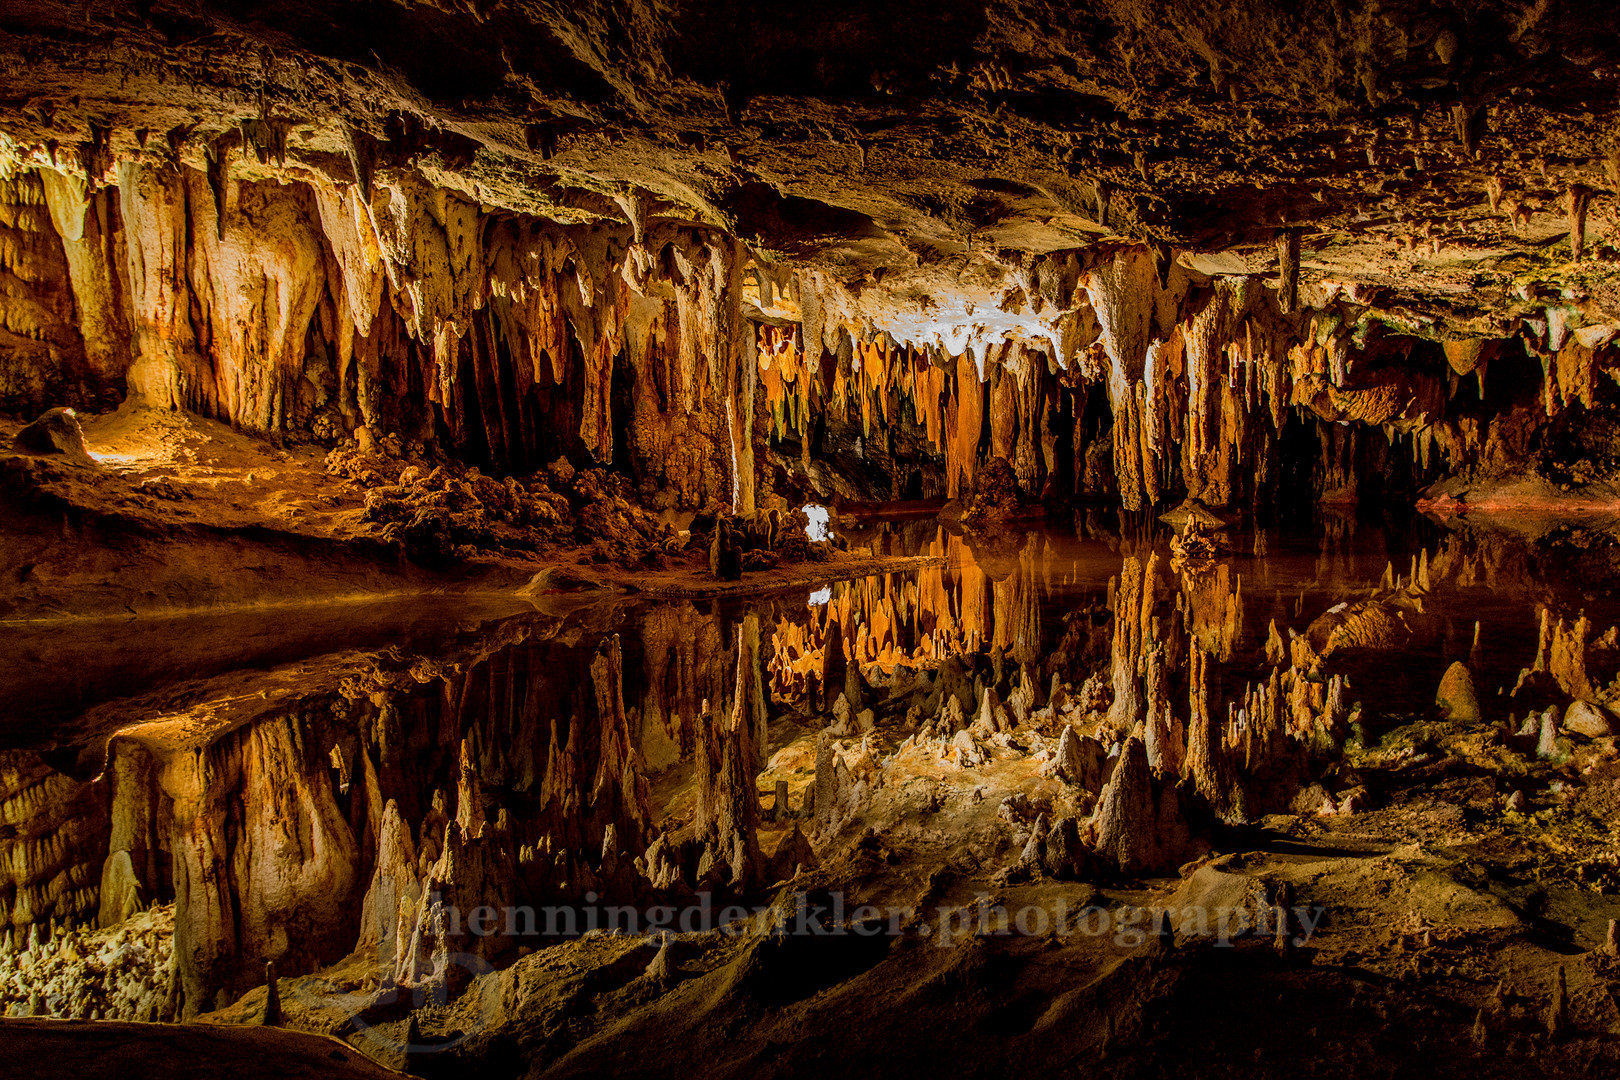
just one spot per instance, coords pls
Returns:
(121, 973)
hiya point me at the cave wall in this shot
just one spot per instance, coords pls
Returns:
(56, 344)
(403, 315)
(286, 305)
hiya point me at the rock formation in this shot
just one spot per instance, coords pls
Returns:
(475, 472)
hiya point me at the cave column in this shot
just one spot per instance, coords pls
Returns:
(742, 382)
(153, 202)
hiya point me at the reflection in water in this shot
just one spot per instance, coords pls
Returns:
(638, 753)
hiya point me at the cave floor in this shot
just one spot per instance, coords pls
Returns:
(180, 515)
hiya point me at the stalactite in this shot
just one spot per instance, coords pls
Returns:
(257, 278)
(1576, 198)
(1288, 264)
(618, 795)
(728, 811)
(302, 303)
(964, 419)
(1204, 457)
(92, 240)
(1122, 295)
(250, 885)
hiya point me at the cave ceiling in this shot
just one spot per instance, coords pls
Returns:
(1428, 155)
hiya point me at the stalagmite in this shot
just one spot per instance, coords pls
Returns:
(660, 969)
(272, 997)
(1138, 825)
(1557, 1015)
(1276, 651)
(1456, 695)
(1547, 740)
(825, 787)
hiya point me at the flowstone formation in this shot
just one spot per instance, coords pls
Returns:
(549, 542)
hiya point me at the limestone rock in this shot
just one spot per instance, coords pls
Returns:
(995, 494)
(1456, 695)
(56, 432)
(1585, 718)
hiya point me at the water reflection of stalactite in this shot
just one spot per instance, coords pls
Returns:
(682, 650)
(731, 740)
(913, 619)
(522, 769)
(1133, 596)
(1212, 600)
